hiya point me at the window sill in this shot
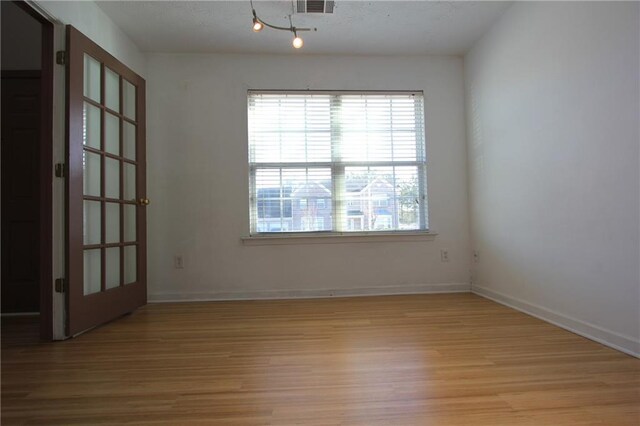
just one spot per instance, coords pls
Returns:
(337, 237)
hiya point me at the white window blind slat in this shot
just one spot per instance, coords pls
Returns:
(331, 161)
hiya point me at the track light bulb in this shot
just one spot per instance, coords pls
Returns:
(257, 25)
(297, 42)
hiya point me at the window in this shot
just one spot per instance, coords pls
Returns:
(354, 223)
(382, 202)
(312, 223)
(364, 153)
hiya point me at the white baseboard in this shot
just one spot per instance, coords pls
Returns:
(593, 332)
(310, 294)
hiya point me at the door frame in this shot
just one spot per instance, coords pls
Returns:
(45, 167)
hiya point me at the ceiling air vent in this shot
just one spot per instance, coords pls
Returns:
(314, 6)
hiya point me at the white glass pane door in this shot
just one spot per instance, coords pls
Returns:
(105, 186)
(110, 203)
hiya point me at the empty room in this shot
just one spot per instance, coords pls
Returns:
(318, 212)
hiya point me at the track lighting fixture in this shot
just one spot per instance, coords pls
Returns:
(297, 41)
(259, 24)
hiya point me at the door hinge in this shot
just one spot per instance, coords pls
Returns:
(60, 170)
(61, 57)
(61, 285)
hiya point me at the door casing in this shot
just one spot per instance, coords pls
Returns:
(45, 167)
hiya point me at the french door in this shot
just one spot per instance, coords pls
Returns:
(106, 188)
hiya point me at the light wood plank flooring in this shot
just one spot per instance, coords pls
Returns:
(450, 359)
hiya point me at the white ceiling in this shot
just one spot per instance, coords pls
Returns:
(355, 27)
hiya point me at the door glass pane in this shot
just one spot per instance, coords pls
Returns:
(92, 274)
(111, 178)
(129, 99)
(91, 173)
(91, 126)
(91, 228)
(129, 222)
(112, 90)
(112, 266)
(129, 264)
(92, 70)
(129, 182)
(129, 142)
(111, 133)
(112, 222)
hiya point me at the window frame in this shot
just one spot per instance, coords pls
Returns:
(338, 173)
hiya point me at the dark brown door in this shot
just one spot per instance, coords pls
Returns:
(20, 191)
(106, 190)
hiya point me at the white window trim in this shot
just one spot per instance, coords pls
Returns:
(337, 174)
(324, 237)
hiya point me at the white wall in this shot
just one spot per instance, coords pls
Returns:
(21, 39)
(198, 179)
(553, 140)
(90, 20)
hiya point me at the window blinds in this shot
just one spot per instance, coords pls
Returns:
(336, 161)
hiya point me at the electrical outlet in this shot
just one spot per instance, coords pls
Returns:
(444, 255)
(476, 256)
(177, 262)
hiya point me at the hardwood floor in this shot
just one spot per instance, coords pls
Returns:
(450, 359)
